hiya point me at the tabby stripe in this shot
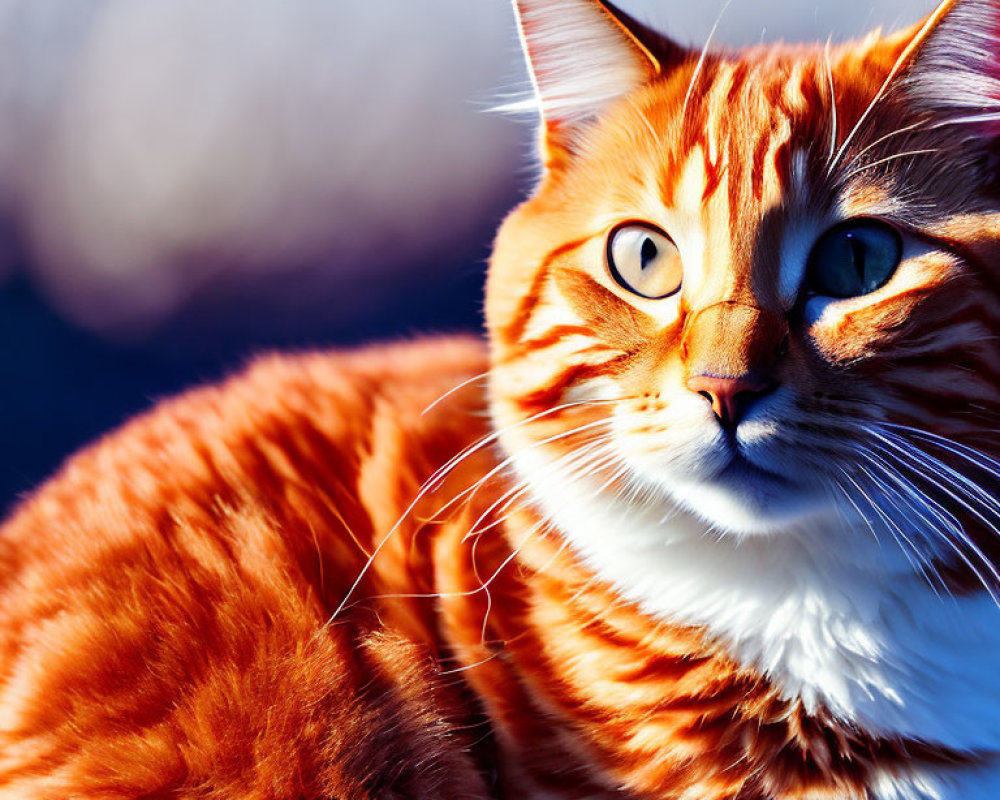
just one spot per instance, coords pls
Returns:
(514, 330)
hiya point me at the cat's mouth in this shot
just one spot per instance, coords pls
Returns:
(744, 497)
(740, 471)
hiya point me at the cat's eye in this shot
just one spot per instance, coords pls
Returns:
(854, 258)
(643, 260)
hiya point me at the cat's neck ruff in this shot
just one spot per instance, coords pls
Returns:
(833, 618)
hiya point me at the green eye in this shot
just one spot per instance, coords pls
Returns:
(854, 258)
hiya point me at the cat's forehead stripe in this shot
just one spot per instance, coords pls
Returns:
(733, 184)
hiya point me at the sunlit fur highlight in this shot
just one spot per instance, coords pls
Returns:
(424, 570)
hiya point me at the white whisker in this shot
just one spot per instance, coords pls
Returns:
(944, 517)
(952, 484)
(928, 25)
(701, 62)
(471, 490)
(906, 546)
(433, 481)
(833, 103)
(864, 517)
(959, 481)
(868, 148)
(452, 391)
(887, 159)
(980, 459)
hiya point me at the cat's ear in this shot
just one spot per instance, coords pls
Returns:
(954, 69)
(582, 56)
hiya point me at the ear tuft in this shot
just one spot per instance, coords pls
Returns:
(581, 56)
(957, 67)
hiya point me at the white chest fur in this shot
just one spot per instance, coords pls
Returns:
(829, 616)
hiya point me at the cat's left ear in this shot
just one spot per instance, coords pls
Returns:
(954, 65)
(582, 56)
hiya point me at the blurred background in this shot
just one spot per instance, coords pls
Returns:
(185, 183)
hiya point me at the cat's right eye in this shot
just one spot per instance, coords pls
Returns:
(644, 260)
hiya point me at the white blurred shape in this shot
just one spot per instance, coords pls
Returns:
(192, 137)
(744, 22)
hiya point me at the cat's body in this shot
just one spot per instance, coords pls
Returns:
(714, 519)
(193, 640)
(187, 646)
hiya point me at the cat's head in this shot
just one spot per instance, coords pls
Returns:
(754, 285)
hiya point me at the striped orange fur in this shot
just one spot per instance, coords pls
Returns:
(729, 539)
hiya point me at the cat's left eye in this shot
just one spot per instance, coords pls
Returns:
(854, 258)
(643, 260)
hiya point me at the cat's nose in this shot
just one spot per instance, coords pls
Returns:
(730, 397)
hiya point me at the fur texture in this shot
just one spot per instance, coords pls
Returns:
(559, 570)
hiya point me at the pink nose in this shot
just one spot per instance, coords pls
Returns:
(729, 397)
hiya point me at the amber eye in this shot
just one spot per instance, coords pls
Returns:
(643, 260)
(854, 258)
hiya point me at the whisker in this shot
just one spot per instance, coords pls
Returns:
(469, 592)
(904, 56)
(590, 463)
(433, 481)
(868, 148)
(493, 436)
(991, 116)
(471, 490)
(467, 667)
(864, 517)
(834, 124)
(454, 389)
(701, 61)
(887, 159)
(914, 465)
(916, 502)
(905, 543)
(979, 458)
(944, 517)
(959, 481)
(890, 526)
(582, 454)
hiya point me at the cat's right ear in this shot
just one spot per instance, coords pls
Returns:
(582, 56)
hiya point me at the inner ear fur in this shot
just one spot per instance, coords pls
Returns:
(583, 55)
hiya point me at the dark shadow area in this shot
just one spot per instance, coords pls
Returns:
(63, 387)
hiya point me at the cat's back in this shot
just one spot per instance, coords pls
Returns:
(285, 428)
(265, 427)
(166, 599)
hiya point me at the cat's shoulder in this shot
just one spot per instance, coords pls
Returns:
(175, 583)
(419, 381)
(421, 385)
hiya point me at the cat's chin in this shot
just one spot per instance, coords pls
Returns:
(744, 499)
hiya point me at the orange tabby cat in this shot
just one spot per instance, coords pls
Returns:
(728, 531)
